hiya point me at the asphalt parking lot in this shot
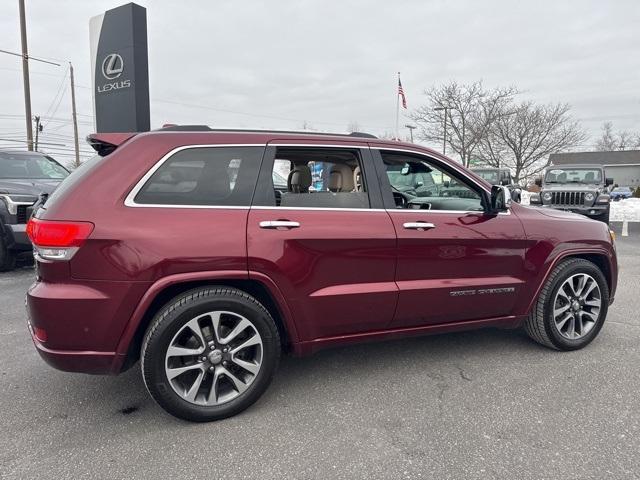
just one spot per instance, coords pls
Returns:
(483, 404)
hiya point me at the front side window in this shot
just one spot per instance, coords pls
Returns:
(33, 167)
(419, 184)
(216, 176)
(573, 175)
(318, 178)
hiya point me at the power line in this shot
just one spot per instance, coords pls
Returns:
(58, 92)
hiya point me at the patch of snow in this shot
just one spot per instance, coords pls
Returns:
(627, 209)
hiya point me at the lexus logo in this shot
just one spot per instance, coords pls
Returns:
(112, 66)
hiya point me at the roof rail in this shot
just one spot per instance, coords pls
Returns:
(206, 128)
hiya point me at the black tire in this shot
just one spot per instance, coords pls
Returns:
(173, 317)
(7, 257)
(540, 325)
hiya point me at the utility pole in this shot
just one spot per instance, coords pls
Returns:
(74, 116)
(25, 75)
(38, 130)
(411, 129)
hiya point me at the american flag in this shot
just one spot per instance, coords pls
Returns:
(401, 93)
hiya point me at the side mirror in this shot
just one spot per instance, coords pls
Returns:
(500, 199)
(446, 183)
(608, 181)
(504, 181)
(538, 182)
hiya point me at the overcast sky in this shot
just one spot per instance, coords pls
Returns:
(281, 64)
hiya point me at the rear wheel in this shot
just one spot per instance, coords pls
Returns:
(210, 354)
(571, 307)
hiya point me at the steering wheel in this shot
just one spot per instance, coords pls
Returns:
(400, 200)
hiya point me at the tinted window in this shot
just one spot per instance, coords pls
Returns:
(223, 176)
(30, 166)
(419, 184)
(318, 178)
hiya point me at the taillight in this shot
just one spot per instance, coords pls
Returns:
(54, 240)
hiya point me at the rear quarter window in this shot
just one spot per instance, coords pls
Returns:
(203, 176)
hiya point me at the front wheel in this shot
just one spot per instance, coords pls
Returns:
(210, 354)
(7, 257)
(571, 307)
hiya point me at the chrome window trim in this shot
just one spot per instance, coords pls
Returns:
(129, 200)
(329, 209)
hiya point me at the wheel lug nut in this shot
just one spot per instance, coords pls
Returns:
(225, 363)
(202, 359)
(212, 369)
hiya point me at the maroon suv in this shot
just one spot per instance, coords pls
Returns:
(205, 253)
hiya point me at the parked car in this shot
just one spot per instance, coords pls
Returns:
(580, 189)
(207, 280)
(24, 176)
(500, 176)
(619, 193)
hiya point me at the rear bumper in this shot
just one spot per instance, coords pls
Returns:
(76, 327)
(98, 363)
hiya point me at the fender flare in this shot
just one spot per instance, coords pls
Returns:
(558, 258)
(215, 276)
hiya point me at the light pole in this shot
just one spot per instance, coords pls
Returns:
(444, 142)
(411, 129)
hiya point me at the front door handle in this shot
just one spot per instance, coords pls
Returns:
(278, 224)
(418, 225)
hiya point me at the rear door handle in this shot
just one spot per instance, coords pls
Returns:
(418, 225)
(278, 224)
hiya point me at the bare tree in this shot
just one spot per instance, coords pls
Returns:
(524, 137)
(470, 111)
(607, 141)
(353, 126)
(610, 141)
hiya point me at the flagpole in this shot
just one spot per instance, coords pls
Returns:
(398, 110)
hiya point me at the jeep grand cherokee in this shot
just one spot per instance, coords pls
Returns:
(176, 248)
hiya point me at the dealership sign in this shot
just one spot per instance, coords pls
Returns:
(120, 72)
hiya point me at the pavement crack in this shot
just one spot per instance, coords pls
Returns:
(463, 375)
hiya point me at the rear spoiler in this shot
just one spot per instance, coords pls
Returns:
(105, 143)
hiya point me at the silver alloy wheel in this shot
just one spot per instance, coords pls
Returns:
(213, 358)
(577, 305)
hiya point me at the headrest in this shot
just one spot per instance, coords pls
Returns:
(357, 179)
(299, 179)
(214, 181)
(341, 179)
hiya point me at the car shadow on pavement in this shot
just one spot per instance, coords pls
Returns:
(299, 379)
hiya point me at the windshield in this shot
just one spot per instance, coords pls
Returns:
(21, 166)
(622, 189)
(574, 175)
(490, 176)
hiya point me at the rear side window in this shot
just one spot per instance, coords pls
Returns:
(318, 177)
(218, 176)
